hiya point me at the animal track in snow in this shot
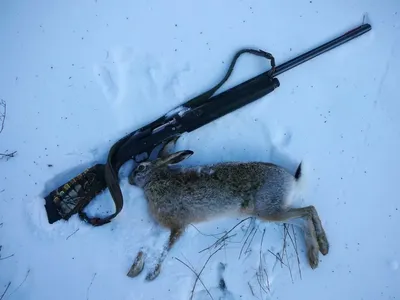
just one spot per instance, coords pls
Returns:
(277, 141)
(283, 139)
(177, 83)
(218, 292)
(394, 265)
(137, 86)
(106, 82)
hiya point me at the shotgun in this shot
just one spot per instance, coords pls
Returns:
(73, 196)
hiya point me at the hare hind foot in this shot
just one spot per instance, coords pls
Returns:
(323, 243)
(138, 266)
(153, 274)
(311, 244)
(309, 212)
(313, 254)
(319, 231)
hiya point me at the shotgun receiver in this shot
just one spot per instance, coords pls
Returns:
(73, 196)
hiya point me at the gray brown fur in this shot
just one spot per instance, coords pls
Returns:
(178, 196)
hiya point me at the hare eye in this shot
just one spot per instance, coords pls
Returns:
(141, 168)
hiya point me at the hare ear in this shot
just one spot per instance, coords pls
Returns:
(174, 158)
(168, 147)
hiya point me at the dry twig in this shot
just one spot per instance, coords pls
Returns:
(295, 249)
(251, 288)
(286, 233)
(205, 234)
(284, 241)
(3, 258)
(277, 257)
(201, 271)
(27, 274)
(245, 242)
(8, 155)
(2, 114)
(197, 276)
(1, 247)
(8, 285)
(72, 234)
(252, 238)
(90, 285)
(253, 231)
(262, 270)
(225, 236)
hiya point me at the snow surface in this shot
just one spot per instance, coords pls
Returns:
(78, 75)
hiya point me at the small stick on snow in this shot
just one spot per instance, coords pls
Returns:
(277, 257)
(201, 271)
(252, 238)
(260, 284)
(253, 229)
(205, 234)
(221, 240)
(262, 270)
(295, 249)
(9, 155)
(72, 234)
(287, 258)
(251, 288)
(197, 276)
(3, 258)
(224, 237)
(8, 285)
(27, 274)
(3, 115)
(90, 285)
(284, 241)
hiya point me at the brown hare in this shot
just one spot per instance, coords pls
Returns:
(178, 196)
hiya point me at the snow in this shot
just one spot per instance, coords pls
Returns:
(78, 75)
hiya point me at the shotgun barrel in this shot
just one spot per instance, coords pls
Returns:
(344, 38)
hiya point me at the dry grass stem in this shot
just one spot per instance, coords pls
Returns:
(287, 233)
(5, 291)
(72, 234)
(262, 274)
(90, 285)
(197, 277)
(26, 276)
(295, 249)
(225, 236)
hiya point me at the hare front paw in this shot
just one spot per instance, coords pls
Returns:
(137, 266)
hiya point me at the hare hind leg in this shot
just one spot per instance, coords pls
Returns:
(311, 213)
(314, 234)
(308, 212)
(138, 264)
(174, 236)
